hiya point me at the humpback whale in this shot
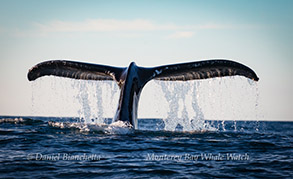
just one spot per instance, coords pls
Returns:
(133, 78)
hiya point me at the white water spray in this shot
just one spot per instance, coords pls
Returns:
(183, 106)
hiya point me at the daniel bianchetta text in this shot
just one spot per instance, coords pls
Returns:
(198, 157)
(63, 156)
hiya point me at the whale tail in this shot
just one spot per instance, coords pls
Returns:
(175, 72)
(132, 79)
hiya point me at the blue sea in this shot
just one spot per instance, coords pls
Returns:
(38, 147)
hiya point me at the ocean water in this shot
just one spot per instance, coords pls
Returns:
(37, 147)
(179, 135)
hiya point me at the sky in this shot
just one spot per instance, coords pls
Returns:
(257, 33)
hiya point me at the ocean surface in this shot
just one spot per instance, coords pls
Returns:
(37, 147)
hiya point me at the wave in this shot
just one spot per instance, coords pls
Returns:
(20, 120)
(118, 127)
(152, 125)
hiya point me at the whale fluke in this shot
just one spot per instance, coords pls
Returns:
(76, 70)
(203, 70)
(132, 79)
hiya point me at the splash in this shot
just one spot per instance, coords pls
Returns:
(119, 127)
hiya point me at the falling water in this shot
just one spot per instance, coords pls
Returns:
(184, 112)
(90, 101)
(182, 106)
(203, 104)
